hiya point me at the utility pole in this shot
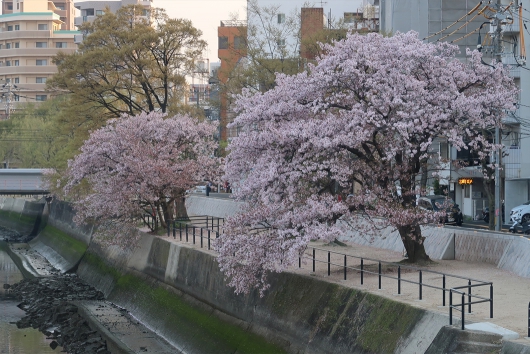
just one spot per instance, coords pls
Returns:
(498, 153)
(8, 96)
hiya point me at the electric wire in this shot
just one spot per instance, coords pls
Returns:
(465, 23)
(461, 18)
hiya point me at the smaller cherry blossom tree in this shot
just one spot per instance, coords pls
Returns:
(345, 143)
(141, 165)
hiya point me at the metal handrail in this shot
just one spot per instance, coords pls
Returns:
(205, 233)
(420, 282)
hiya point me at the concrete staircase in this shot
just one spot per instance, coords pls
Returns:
(452, 340)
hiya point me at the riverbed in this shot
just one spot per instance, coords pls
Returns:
(12, 339)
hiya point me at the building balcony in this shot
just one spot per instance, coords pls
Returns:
(28, 70)
(7, 35)
(32, 52)
(78, 21)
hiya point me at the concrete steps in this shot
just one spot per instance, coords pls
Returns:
(455, 341)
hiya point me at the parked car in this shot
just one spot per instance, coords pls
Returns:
(521, 213)
(453, 214)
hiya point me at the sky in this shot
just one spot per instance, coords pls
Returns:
(206, 15)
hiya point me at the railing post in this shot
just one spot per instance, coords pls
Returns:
(193, 234)
(208, 238)
(299, 261)
(186, 232)
(463, 309)
(344, 267)
(421, 290)
(469, 296)
(174, 230)
(362, 272)
(217, 225)
(180, 230)
(529, 319)
(450, 307)
(443, 291)
(379, 275)
(168, 229)
(207, 219)
(329, 263)
(399, 280)
(201, 237)
(491, 300)
(313, 260)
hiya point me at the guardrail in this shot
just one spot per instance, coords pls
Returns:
(444, 289)
(188, 229)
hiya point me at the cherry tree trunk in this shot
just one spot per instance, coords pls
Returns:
(414, 243)
(180, 207)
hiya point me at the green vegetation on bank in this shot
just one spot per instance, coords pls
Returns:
(64, 244)
(193, 324)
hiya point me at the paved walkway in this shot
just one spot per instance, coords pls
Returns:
(511, 293)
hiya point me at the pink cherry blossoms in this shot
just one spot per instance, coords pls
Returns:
(141, 165)
(344, 142)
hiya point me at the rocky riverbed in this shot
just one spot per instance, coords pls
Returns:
(46, 302)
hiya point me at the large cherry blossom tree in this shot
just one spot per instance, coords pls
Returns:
(141, 165)
(365, 115)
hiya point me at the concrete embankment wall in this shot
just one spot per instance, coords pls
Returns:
(20, 214)
(506, 251)
(62, 241)
(181, 294)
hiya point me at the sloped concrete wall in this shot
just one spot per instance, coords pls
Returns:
(20, 214)
(299, 314)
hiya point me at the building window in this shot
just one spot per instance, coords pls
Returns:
(239, 43)
(8, 62)
(8, 45)
(16, 80)
(281, 18)
(16, 63)
(18, 6)
(467, 191)
(42, 27)
(60, 45)
(89, 12)
(42, 45)
(16, 97)
(60, 6)
(223, 42)
(1, 46)
(17, 27)
(9, 28)
(99, 12)
(10, 6)
(16, 44)
(40, 80)
(41, 62)
(41, 97)
(349, 17)
(281, 42)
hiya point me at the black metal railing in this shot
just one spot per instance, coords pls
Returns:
(191, 228)
(471, 298)
(207, 229)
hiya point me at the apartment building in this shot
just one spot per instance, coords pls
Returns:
(468, 24)
(282, 27)
(32, 32)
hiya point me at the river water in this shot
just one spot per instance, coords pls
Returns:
(12, 339)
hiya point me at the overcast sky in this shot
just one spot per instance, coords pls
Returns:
(205, 15)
